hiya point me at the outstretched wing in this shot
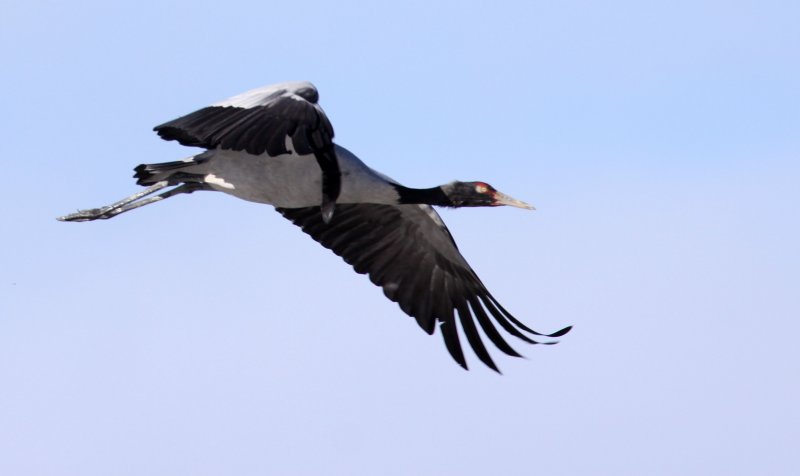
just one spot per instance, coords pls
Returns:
(258, 121)
(408, 251)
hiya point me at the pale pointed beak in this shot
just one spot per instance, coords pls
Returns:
(503, 199)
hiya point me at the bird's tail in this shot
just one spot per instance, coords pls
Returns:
(149, 174)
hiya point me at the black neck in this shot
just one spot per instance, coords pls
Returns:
(430, 196)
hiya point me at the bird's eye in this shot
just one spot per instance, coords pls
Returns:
(481, 188)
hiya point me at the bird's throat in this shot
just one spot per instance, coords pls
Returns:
(429, 196)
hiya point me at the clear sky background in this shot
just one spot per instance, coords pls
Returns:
(660, 142)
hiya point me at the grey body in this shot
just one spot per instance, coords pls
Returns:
(289, 180)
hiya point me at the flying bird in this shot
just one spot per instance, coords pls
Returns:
(274, 145)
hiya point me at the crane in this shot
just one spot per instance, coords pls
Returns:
(274, 145)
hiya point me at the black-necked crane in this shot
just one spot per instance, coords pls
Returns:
(274, 145)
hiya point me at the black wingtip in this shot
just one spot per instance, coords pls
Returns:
(561, 332)
(452, 342)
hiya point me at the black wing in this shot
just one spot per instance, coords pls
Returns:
(261, 120)
(407, 250)
(258, 121)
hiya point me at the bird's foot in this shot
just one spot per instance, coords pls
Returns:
(128, 203)
(101, 213)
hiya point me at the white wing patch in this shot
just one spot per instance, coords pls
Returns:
(265, 95)
(432, 213)
(289, 144)
(218, 181)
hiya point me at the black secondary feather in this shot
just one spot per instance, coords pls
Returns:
(418, 265)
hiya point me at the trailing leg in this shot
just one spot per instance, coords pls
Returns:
(134, 201)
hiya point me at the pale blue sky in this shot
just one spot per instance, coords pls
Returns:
(660, 142)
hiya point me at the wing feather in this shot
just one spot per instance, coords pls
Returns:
(258, 121)
(408, 251)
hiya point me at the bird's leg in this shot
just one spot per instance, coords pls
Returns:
(133, 202)
(95, 213)
(185, 188)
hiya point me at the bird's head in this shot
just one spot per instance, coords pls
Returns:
(479, 194)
